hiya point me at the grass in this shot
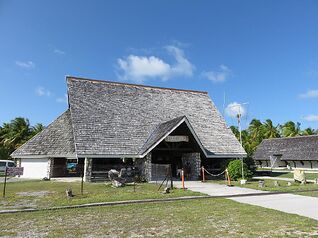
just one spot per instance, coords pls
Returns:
(196, 218)
(41, 194)
(311, 176)
(288, 174)
(269, 185)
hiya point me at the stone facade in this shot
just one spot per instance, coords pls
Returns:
(144, 167)
(148, 167)
(50, 165)
(193, 161)
(88, 169)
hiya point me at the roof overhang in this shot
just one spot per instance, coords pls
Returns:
(43, 156)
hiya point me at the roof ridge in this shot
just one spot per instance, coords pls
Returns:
(68, 77)
(293, 137)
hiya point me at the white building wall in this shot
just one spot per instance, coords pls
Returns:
(35, 168)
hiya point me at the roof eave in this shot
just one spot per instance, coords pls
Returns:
(43, 156)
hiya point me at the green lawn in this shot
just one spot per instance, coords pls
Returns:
(269, 185)
(288, 174)
(291, 175)
(31, 194)
(199, 218)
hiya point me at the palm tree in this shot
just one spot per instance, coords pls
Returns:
(36, 129)
(308, 131)
(255, 130)
(290, 129)
(235, 131)
(270, 131)
(15, 133)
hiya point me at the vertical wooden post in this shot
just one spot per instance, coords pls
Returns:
(228, 178)
(82, 181)
(182, 178)
(203, 174)
(5, 182)
(171, 179)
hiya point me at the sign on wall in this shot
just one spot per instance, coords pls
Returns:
(177, 139)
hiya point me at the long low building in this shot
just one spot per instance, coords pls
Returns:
(111, 125)
(291, 152)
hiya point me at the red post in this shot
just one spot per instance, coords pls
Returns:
(203, 175)
(182, 178)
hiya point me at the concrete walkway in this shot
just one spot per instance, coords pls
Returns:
(214, 189)
(289, 203)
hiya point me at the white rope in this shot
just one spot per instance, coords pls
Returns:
(214, 175)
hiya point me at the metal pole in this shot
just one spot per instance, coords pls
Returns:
(5, 183)
(240, 130)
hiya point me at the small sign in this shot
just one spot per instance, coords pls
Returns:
(14, 171)
(177, 139)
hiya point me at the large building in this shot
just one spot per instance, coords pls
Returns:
(111, 125)
(291, 152)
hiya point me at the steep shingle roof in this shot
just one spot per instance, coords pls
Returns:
(291, 148)
(56, 140)
(111, 118)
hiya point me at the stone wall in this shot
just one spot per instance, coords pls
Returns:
(192, 163)
(144, 166)
(193, 160)
(50, 165)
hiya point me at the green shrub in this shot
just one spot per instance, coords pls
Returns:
(235, 170)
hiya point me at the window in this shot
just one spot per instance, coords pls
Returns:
(2, 164)
(11, 164)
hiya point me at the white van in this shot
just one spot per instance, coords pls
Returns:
(4, 164)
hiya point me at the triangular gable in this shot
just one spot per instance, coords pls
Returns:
(165, 129)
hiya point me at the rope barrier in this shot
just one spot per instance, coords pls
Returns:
(214, 175)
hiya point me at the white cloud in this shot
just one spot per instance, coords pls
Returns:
(41, 91)
(309, 94)
(58, 51)
(62, 99)
(183, 66)
(311, 118)
(221, 75)
(25, 64)
(234, 108)
(140, 68)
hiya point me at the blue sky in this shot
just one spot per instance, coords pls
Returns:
(261, 52)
